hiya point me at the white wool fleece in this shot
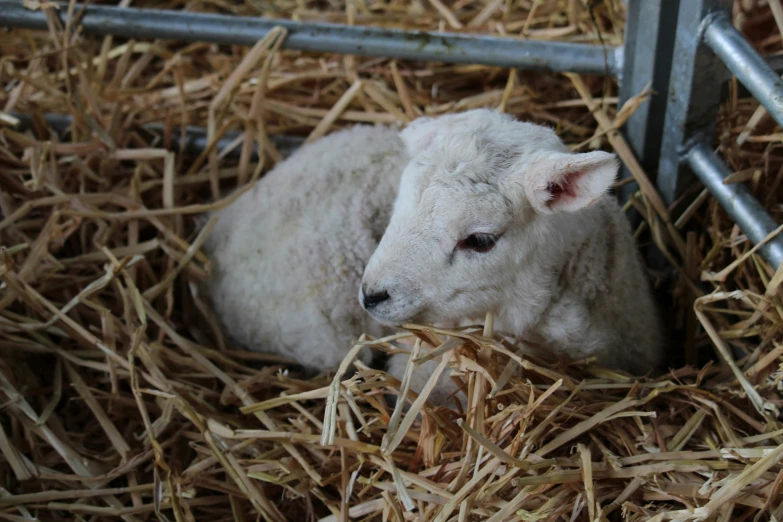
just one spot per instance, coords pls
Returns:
(288, 255)
(481, 213)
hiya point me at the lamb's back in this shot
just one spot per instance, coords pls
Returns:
(288, 255)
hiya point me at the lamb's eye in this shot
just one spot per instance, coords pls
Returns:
(478, 242)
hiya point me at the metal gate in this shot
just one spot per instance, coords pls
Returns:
(681, 48)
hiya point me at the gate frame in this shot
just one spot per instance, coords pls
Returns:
(676, 126)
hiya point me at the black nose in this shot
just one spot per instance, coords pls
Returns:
(373, 299)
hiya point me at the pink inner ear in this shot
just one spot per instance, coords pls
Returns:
(565, 189)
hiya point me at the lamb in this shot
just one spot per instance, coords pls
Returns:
(453, 217)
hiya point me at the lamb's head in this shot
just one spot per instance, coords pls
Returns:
(469, 211)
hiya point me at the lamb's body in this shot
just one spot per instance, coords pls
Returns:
(288, 258)
(600, 302)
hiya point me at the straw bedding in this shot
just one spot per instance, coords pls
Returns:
(120, 398)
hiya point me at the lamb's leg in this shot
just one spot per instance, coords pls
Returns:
(570, 327)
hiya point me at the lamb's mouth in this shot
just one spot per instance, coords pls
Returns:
(391, 315)
(390, 319)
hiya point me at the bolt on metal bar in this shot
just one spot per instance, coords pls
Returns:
(751, 69)
(693, 94)
(647, 58)
(737, 201)
(329, 38)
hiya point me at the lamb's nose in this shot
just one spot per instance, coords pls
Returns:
(371, 300)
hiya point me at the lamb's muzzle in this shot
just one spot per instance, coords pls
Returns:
(373, 299)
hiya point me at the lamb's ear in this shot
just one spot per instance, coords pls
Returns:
(421, 132)
(566, 182)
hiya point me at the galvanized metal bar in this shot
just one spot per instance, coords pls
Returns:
(693, 94)
(746, 64)
(329, 38)
(647, 57)
(195, 137)
(196, 141)
(774, 62)
(737, 201)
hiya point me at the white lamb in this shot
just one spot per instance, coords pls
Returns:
(492, 215)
